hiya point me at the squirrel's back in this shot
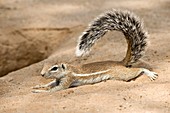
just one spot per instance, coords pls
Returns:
(124, 21)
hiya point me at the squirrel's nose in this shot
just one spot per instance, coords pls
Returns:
(42, 74)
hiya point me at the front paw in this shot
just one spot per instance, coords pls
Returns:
(38, 91)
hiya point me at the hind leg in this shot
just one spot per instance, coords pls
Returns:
(152, 75)
(128, 74)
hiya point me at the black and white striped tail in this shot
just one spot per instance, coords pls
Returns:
(124, 21)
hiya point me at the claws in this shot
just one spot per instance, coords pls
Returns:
(38, 86)
(35, 91)
(39, 91)
(150, 74)
(153, 76)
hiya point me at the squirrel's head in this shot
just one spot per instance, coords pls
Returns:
(54, 71)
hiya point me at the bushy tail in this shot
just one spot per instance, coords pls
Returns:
(124, 21)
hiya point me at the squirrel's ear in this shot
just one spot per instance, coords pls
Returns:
(64, 67)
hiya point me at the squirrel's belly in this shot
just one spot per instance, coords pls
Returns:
(91, 80)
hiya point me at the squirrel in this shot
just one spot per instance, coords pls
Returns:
(66, 75)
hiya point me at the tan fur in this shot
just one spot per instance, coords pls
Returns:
(68, 75)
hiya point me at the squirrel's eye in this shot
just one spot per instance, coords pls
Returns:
(54, 68)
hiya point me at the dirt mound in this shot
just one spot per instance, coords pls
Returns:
(21, 48)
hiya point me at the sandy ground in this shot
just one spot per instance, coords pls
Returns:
(139, 96)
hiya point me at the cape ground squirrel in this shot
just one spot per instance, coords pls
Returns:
(66, 75)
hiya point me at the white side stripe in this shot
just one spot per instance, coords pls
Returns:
(90, 74)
